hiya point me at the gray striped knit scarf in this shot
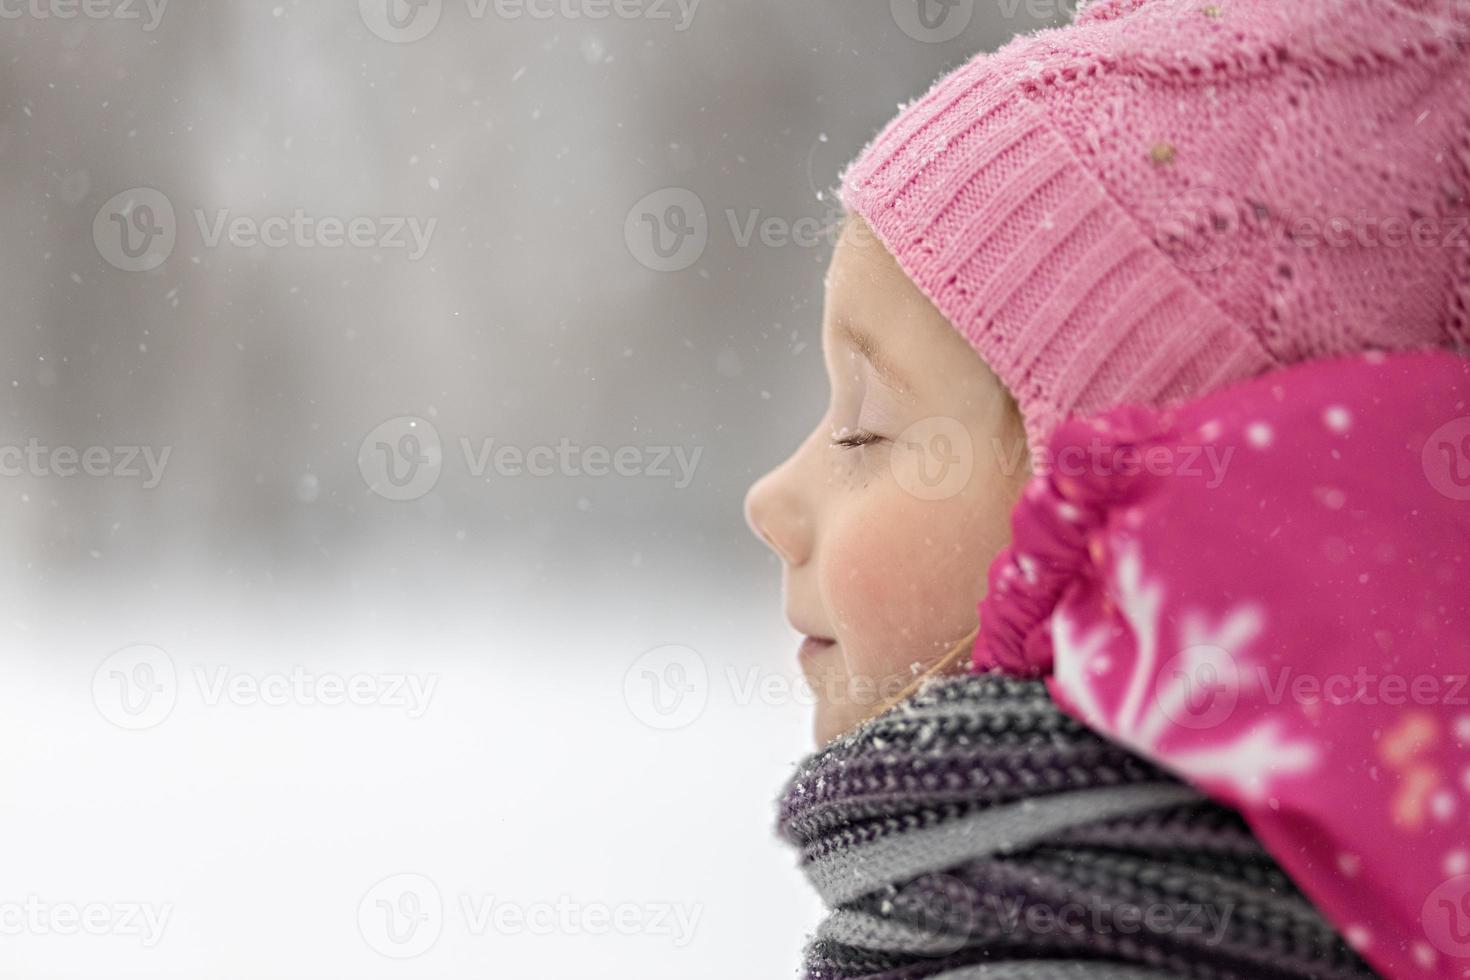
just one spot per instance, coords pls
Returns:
(975, 832)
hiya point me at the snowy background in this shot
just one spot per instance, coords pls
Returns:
(566, 700)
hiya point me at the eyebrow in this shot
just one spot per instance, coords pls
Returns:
(868, 347)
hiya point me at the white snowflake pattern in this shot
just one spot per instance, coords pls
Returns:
(1149, 709)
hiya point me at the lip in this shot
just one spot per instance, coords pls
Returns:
(811, 645)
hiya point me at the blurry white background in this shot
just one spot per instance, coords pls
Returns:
(584, 781)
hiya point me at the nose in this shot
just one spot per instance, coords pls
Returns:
(776, 513)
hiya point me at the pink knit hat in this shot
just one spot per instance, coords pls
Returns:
(1171, 195)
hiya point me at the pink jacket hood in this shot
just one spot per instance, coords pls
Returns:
(1267, 592)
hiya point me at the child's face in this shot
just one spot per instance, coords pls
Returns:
(884, 533)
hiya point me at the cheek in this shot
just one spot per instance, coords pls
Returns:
(902, 576)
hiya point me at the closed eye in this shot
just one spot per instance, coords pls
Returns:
(855, 438)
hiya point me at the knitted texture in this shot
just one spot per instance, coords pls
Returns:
(1170, 195)
(976, 831)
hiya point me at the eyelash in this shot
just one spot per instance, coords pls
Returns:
(857, 439)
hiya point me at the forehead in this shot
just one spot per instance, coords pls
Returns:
(861, 265)
(868, 290)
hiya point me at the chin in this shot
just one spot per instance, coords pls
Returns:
(828, 723)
